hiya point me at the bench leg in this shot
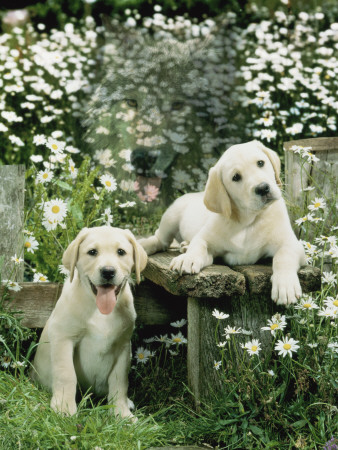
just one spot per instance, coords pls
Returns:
(247, 312)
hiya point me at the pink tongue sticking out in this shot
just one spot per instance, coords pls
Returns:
(106, 299)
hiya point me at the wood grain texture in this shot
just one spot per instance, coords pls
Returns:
(214, 281)
(154, 306)
(258, 278)
(248, 312)
(12, 184)
(301, 174)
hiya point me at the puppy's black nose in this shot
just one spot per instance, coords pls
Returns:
(108, 272)
(262, 189)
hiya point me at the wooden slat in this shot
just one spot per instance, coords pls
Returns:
(154, 306)
(258, 278)
(317, 144)
(214, 281)
(36, 301)
(12, 183)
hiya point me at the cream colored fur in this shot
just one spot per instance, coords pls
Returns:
(81, 345)
(230, 219)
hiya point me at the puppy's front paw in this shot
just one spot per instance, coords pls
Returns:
(286, 288)
(185, 264)
(61, 405)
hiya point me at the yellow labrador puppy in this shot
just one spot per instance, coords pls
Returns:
(86, 340)
(240, 216)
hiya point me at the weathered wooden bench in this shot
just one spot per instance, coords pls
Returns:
(164, 296)
(243, 292)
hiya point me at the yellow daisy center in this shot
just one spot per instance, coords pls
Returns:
(108, 183)
(177, 339)
(140, 356)
(254, 348)
(42, 279)
(335, 302)
(55, 209)
(317, 205)
(274, 326)
(28, 244)
(286, 346)
(307, 305)
(54, 147)
(45, 175)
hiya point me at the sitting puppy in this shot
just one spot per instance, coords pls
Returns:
(240, 217)
(86, 340)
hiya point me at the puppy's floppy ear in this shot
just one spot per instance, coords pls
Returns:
(216, 197)
(140, 256)
(274, 159)
(71, 254)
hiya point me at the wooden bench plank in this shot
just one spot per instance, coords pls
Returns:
(258, 278)
(154, 305)
(214, 281)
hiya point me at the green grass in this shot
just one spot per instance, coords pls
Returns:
(26, 422)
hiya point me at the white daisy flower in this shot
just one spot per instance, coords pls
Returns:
(44, 176)
(231, 330)
(329, 312)
(50, 225)
(55, 145)
(306, 303)
(73, 170)
(30, 243)
(12, 285)
(108, 182)
(329, 278)
(217, 365)
(219, 315)
(271, 373)
(39, 278)
(55, 210)
(17, 260)
(36, 158)
(331, 302)
(107, 216)
(179, 323)
(286, 346)
(277, 322)
(253, 347)
(142, 355)
(178, 338)
(317, 203)
(63, 270)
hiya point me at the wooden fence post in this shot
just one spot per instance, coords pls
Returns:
(322, 175)
(12, 186)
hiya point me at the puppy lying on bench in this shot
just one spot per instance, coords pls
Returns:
(240, 217)
(86, 340)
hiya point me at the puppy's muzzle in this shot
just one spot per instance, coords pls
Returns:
(108, 273)
(263, 190)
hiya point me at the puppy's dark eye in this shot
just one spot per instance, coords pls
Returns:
(92, 252)
(121, 252)
(131, 102)
(260, 163)
(236, 177)
(177, 106)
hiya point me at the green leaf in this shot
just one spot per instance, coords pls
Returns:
(299, 423)
(76, 211)
(256, 430)
(64, 185)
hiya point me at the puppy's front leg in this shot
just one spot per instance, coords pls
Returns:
(118, 385)
(194, 260)
(64, 376)
(286, 288)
